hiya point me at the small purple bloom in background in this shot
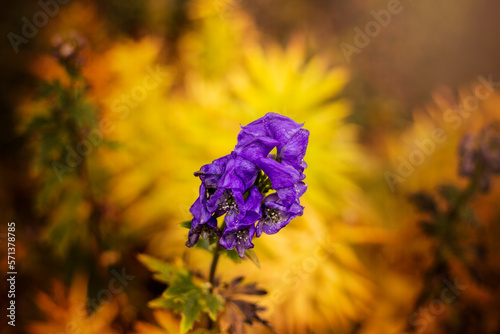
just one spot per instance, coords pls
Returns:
(480, 154)
(237, 184)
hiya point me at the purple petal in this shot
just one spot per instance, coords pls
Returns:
(241, 239)
(281, 175)
(249, 212)
(275, 215)
(197, 229)
(280, 127)
(211, 173)
(199, 209)
(252, 130)
(294, 150)
(256, 148)
(240, 174)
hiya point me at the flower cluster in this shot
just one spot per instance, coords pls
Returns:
(480, 154)
(255, 190)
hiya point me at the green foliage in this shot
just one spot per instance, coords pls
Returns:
(186, 224)
(232, 254)
(249, 255)
(252, 256)
(182, 294)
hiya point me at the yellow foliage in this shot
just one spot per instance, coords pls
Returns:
(66, 311)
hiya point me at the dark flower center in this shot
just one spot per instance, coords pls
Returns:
(241, 236)
(205, 231)
(229, 203)
(209, 192)
(271, 216)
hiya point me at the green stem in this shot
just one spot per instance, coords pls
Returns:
(211, 279)
(213, 267)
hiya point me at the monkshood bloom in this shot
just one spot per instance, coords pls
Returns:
(275, 215)
(237, 184)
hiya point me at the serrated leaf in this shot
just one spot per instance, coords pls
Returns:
(252, 256)
(164, 272)
(186, 224)
(190, 313)
(214, 304)
(165, 303)
(182, 284)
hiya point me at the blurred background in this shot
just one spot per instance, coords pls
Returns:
(157, 89)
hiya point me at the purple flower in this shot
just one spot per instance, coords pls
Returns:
(240, 238)
(256, 147)
(239, 218)
(294, 150)
(273, 130)
(210, 174)
(240, 174)
(272, 125)
(240, 212)
(275, 215)
(284, 169)
(203, 221)
(207, 230)
(283, 178)
(234, 185)
(480, 154)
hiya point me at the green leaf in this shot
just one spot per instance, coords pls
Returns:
(232, 254)
(191, 312)
(203, 244)
(166, 303)
(164, 272)
(181, 284)
(214, 303)
(186, 224)
(113, 144)
(252, 256)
